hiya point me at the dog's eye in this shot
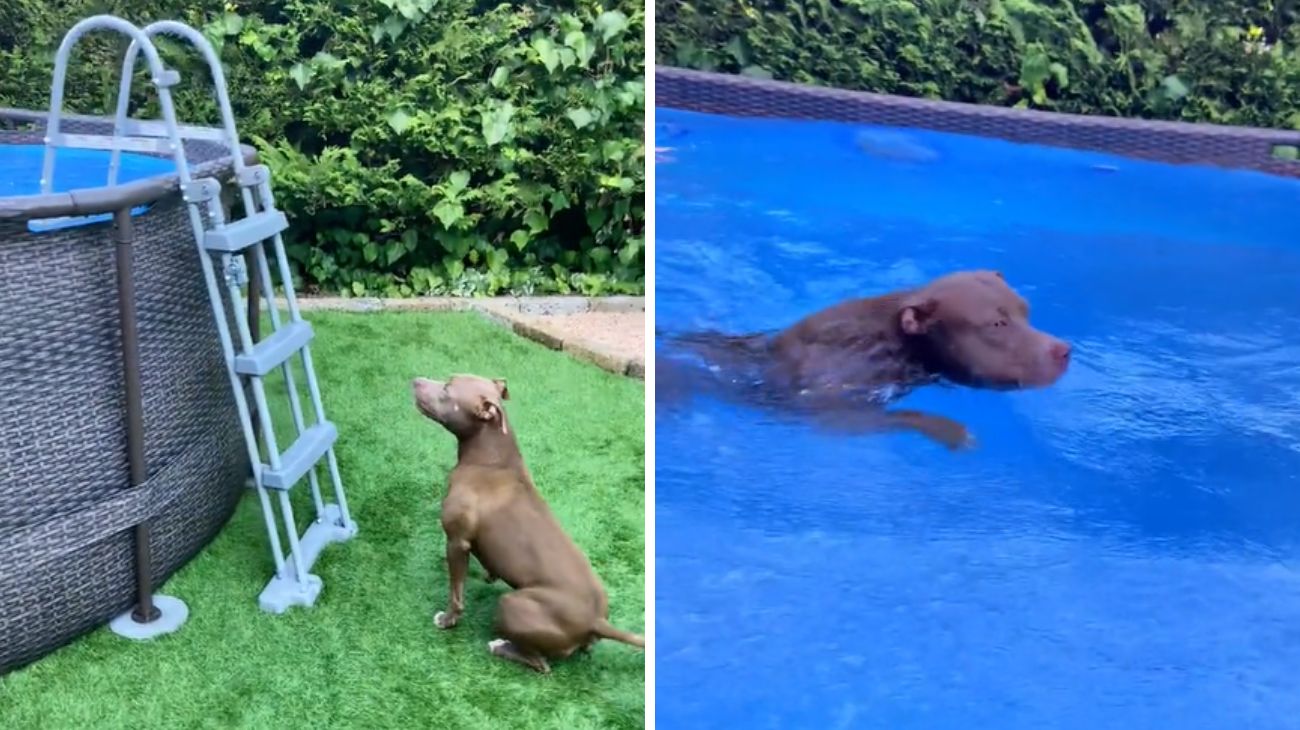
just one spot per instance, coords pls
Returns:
(999, 323)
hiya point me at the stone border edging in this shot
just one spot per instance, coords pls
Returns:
(508, 312)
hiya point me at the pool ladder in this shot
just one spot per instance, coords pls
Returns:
(222, 245)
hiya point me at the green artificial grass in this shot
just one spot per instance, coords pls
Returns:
(367, 655)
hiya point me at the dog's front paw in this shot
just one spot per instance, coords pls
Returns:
(964, 442)
(444, 620)
(948, 432)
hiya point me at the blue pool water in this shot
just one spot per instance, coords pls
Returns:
(1121, 551)
(74, 169)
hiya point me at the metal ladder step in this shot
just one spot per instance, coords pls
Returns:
(241, 234)
(301, 457)
(272, 352)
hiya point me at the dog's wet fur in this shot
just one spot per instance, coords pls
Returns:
(844, 364)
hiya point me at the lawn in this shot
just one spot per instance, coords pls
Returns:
(367, 655)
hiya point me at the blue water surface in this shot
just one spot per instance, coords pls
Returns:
(1120, 551)
(74, 169)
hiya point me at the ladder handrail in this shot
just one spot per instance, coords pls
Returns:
(162, 78)
(204, 47)
(217, 70)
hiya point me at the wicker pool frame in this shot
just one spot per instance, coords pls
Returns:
(116, 414)
(1159, 141)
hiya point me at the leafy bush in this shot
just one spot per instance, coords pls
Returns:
(1222, 61)
(419, 146)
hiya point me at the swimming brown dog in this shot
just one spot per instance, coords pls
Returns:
(969, 328)
(493, 511)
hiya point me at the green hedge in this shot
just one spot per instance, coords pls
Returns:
(419, 146)
(1221, 61)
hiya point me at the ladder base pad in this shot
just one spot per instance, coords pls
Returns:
(285, 592)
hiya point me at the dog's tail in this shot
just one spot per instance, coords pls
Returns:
(605, 630)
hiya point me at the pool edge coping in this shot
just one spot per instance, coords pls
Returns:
(1169, 142)
(84, 202)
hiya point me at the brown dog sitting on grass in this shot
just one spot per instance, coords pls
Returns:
(493, 511)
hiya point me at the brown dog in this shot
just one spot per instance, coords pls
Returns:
(493, 511)
(968, 328)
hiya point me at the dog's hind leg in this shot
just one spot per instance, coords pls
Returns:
(535, 623)
(507, 649)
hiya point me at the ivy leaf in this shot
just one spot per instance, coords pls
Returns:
(448, 212)
(617, 182)
(559, 201)
(567, 57)
(393, 252)
(370, 251)
(1173, 88)
(358, 288)
(399, 120)
(496, 123)
(628, 253)
(301, 74)
(536, 221)
(232, 23)
(577, 40)
(499, 77)
(1061, 74)
(393, 26)
(610, 23)
(408, 9)
(327, 60)
(458, 181)
(546, 52)
(520, 238)
(410, 239)
(580, 117)
(497, 258)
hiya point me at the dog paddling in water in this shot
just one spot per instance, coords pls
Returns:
(843, 365)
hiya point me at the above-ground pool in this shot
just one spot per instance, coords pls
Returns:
(1119, 551)
(67, 501)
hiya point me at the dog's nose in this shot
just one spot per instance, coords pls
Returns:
(1060, 352)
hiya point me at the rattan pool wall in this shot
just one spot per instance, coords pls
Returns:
(1171, 142)
(66, 508)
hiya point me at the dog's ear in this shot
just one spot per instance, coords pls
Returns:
(917, 315)
(490, 410)
(502, 390)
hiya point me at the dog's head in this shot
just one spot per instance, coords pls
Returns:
(972, 328)
(463, 404)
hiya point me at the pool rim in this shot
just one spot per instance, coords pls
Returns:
(103, 199)
(1179, 143)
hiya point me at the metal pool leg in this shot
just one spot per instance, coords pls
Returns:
(153, 615)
